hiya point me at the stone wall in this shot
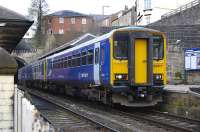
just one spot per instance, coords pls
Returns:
(6, 103)
(182, 27)
(183, 104)
(185, 15)
(27, 117)
(179, 37)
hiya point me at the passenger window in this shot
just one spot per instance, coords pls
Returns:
(65, 62)
(78, 60)
(70, 61)
(73, 60)
(90, 56)
(59, 63)
(96, 55)
(83, 58)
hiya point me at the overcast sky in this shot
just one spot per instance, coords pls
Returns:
(83, 6)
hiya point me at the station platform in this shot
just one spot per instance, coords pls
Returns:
(194, 89)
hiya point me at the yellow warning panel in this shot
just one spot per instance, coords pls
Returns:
(141, 61)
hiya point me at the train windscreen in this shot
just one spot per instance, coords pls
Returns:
(158, 49)
(121, 42)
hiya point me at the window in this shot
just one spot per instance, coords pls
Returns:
(73, 20)
(61, 31)
(78, 61)
(61, 20)
(59, 63)
(49, 21)
(147, 19)
(73, 60)
(147, 4)
(121, 42)
(84, 21)
(62, 62)
(83, 58)
(90, 56)
(65, 62)
(158, 49)
(96, 55)
(69, 61)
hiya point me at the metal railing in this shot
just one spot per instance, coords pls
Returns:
(181, 8)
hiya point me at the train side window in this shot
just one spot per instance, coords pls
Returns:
(90, 56)
(73, 60)
(96, 55)
(78, 59)
(62, 62)
(58, 63)
(70, 61)
(83, 58)
(54, 64)
(65, 62)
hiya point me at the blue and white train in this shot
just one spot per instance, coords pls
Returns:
(126, 66)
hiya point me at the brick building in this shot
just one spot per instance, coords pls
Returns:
(65, 21)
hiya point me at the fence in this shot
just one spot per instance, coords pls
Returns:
(182, 8)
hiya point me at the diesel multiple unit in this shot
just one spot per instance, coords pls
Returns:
(126, 66)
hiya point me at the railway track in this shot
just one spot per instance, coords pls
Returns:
(65, 119)
(168, 121)
(118, 120)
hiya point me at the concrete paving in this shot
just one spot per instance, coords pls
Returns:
(180, 88)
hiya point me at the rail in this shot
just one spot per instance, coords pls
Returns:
(181, 8)
(162, 120)
(167, 121)
(77, 113)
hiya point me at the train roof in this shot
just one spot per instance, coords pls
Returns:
(62, 49)
(103, 37)
(75, 42)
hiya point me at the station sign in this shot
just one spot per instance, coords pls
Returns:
(192, 59)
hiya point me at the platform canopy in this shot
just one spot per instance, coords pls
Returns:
(13, 27)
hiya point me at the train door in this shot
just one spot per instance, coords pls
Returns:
(141, 61)
(96, 64)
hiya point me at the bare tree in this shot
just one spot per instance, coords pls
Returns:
(37, 10)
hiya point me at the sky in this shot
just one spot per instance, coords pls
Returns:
(83, 6)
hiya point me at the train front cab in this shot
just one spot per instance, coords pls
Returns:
(138, 67)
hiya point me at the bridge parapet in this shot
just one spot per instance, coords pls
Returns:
(181, 8)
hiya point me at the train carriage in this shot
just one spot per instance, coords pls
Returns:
(126, 66)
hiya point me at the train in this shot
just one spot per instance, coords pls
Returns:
(126, 66)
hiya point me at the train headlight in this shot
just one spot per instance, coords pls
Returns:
(158, 76)
(118, 76)
(121, 76)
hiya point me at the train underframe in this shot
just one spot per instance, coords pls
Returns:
(132, 96)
